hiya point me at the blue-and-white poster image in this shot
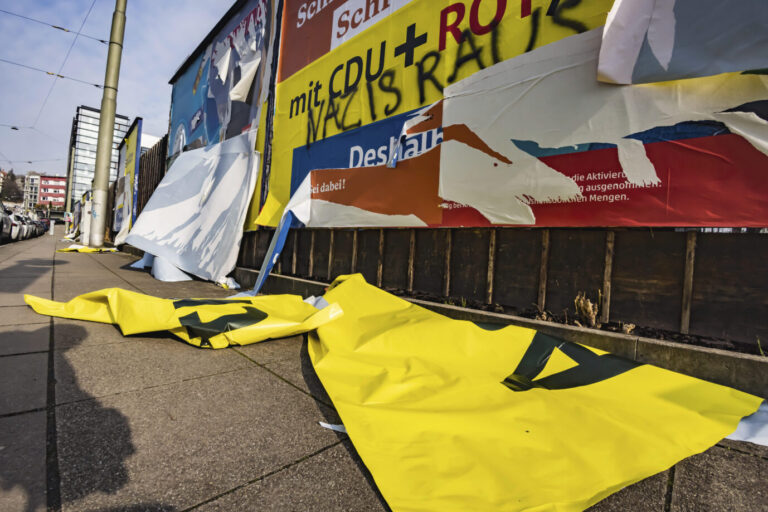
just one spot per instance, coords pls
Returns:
(219, 94)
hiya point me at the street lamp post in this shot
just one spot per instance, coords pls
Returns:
(107, 126)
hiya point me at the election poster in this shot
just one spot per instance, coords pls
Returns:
(219, 93)
(491, 112)
(127, 184)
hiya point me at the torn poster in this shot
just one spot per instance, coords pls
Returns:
(194, 219)
(649, 41)
(205, 323)
(220, 93)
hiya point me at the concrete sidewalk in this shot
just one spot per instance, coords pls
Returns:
(92, 420)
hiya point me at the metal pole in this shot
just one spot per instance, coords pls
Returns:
(107, 126)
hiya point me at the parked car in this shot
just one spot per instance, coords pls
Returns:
(17, 227)
(28, 229)
(5, 224)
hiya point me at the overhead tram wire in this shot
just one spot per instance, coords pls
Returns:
(61, 68)
(55, 75)
(103, 41)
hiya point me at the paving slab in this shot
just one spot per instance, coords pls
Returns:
(17, 298)
(23, 381)
(745, 447)
(182, 444)
(721, 479)
(135, 363)
(300, 372)
(22, 339)
(69, 288)
(273, 351)
(79, 333)
(646, 495)
(20, 315)
(22, 463)
(329, 481)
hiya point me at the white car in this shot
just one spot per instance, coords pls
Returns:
(17, 228)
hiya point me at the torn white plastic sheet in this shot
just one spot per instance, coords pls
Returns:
(194, 220)
(553, 89)
(146, 261)
(165, 271)
(753, 428)
(654, 41)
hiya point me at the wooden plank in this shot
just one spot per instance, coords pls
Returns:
(394, 271)
(330, 253)
(730, 287)
(647, 278)
(342, 249)
(380, 263)
(518, 256)
(353, 263)
(411, 259)
(605, 306)
(491, 266)
(469, 264)
(304, 252)
(447, 271)
(543, 264)
(321, 253)
(575, 264)
(690, 256)
(429, 264)
(368, 254)
(311, 271)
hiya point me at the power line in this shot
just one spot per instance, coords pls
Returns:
(55, 75)
(61, 68)
(35, 161)
(54, 26)
(5, 158)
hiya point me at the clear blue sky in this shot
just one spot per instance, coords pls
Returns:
(159, 36)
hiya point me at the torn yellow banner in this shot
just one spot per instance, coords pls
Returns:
(214, 323)
(450, 416)
(83, 248)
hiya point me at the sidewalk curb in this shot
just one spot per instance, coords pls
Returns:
(744, 372)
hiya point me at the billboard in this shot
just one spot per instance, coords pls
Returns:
(219, 94)
(490, 112)
(127, 184)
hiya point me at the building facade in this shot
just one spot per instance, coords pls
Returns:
(53, 191)
(31, 190)
(82, 151)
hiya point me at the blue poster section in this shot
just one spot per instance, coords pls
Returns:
(201, 110)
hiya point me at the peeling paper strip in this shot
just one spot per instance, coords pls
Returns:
(247, 73)
(623, 36)
(335, 428)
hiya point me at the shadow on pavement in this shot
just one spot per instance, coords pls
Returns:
(87, 449)
(22, 274)
(318, 391)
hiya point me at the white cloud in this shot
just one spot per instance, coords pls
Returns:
(158, 38)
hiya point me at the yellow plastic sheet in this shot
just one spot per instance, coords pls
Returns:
(87, 249)
(214, 323)
(450, 416)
